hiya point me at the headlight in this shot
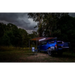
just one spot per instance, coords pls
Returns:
(52, 47)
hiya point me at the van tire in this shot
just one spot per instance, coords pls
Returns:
(49, 52)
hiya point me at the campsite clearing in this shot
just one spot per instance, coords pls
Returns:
(23, 55)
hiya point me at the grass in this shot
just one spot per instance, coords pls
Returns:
(65, 57)
(12, 54)
(17, 54)
(8, 48)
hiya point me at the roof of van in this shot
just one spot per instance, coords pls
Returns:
(42, 38)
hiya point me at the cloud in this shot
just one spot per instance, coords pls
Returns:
(19, 19)
(72, 12)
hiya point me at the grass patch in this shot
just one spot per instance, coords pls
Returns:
(7, 48)
(13, 54)
(17, 54)
(65, 57)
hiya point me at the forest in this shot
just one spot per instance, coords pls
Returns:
(60, 25)
(11, 35)
(14, 41)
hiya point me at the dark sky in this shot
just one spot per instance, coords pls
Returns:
(21, 20)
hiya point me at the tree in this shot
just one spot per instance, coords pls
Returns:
(5, 40)
(66, 25)
(49, 23)
(39, 14)
(12, 35)
(2, 29)
(24, 35)
(35, 33)
(12, 32)
(40, 30)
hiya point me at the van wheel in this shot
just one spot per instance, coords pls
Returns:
(49, 52)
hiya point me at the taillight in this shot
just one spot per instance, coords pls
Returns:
(56, 46)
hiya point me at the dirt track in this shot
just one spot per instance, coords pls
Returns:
(28, 56)
(35, 57)
(38, 57)
(41, 59)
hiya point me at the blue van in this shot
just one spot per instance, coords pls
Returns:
(52, 45)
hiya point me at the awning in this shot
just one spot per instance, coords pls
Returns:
(42, 38)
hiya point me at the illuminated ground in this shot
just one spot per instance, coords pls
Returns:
(27, 56)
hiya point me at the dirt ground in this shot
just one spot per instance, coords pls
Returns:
(27, 58)
(36, 57)
(41, 59)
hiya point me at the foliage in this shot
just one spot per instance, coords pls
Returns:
(67, 27)
(11, 35)
(59, 25)
(49, 22)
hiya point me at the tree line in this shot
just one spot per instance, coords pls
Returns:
(60, 25)
(52, 25)
(11, 35)
(47, 22)
(63, 28)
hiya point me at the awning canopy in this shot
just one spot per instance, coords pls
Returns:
(42, 38)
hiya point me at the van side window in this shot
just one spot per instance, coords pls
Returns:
(43, 42)
(51, 41)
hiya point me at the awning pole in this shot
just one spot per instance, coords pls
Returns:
(36, 45)
(29, 44)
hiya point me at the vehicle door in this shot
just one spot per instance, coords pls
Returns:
(43, 45)
(59, 45)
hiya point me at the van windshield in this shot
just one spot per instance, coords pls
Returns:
(43, 42)
(51, 41)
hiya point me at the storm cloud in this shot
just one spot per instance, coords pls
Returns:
(20, 18)
(72, 12)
